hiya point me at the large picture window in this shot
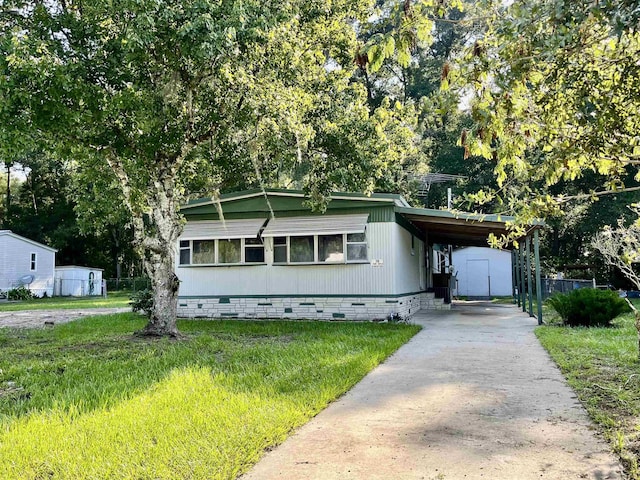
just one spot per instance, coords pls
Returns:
(229, 251)
(302, 249)
(203, 252)
(331, 248)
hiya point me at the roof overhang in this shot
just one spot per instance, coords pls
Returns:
(458, 228)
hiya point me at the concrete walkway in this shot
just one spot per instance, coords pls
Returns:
(473, 395)
(38, 318)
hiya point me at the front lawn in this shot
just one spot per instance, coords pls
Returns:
(113, 300)
(601, 366)
(88, 400)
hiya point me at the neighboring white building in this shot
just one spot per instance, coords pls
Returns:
(26, 262)
(74, 281)
(482, 272)
(367, 257)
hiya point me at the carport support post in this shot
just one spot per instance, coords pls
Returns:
(514, 274)
(529, 282)
(536, 249)
(522, 292)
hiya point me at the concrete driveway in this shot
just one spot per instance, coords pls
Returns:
(473, 395)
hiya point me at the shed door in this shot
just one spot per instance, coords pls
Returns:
(478, 278)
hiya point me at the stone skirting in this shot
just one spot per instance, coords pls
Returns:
(316, 308)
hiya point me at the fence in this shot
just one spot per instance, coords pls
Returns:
(551, 286)
(128, 283)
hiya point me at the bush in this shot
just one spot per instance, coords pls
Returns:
(20, 293)
(588, 307)
(142, 301)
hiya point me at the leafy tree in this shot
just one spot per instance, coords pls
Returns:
(172, 97)
(555, 93)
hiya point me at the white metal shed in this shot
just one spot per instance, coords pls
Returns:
(482, 272)
(75, 281)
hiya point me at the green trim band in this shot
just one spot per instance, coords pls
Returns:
(300, 295)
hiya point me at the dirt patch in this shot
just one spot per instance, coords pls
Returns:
(42, 318)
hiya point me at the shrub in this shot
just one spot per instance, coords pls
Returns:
(588, 307)
(20, 293)
(142, 301)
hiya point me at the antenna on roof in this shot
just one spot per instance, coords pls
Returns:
(430, 178)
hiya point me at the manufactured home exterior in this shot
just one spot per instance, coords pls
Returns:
(24, 262)
(75, 281)
(483, 272)
(272, 257)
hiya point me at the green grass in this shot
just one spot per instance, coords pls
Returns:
(88, 400)
(601, 365)
(113, 300)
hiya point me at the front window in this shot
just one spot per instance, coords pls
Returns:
(330, 248)
(185, 252)
(253, 250)
(280, 250)
(34, 263)
(229, 251)
(204, 252)
(302, 249)
(356, 247)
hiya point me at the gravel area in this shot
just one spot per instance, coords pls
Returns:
(41, 318)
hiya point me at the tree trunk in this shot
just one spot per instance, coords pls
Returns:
(165, 285)
(156, 235)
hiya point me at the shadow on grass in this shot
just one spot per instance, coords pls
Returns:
(112, 396)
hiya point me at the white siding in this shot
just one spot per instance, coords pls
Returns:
(471, 265)
(74, 281)
(334, 279)
(407, 267)
(15, 262)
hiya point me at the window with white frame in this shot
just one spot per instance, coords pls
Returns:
(334, 248)
(34, 262)
(318, 239)
(221, 251)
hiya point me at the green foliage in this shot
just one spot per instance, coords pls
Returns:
(555, 95)
(20, 293)
(142, 301)
(87, 400)
(601, 366)
(588, 307)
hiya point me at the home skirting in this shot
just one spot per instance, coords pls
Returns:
(365, 308)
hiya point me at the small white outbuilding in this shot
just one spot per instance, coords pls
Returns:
(75, 281)
(24, 262)
(482, 272)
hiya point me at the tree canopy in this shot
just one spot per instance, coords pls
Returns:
(166, 98)
(553, 92)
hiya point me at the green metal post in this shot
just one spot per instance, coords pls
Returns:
(536, 250)
(513, 275)
(516, 256)
(529, 280)
(522, 292)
